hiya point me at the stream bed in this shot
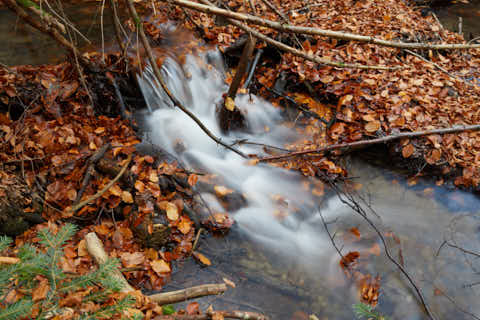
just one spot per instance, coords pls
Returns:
(287, 268)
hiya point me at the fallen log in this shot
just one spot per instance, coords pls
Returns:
(363, 143)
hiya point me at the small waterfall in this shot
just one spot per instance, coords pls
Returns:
(280, 211)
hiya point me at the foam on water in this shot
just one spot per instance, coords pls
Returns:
(199, 84)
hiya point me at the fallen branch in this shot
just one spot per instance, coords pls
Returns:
(80, 205)
(91, 170)
(188, 293)
(214, 314)
(363, 143)
(292, 50)
(96, 250)
(45, 16)
(9, 260)
(210, 9)
(158, 75)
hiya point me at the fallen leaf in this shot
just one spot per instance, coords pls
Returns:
(222, 191)
(229, 104)
(132, 259)
(127, 197)
(202, 259)
(172, 211)
(229, 282)
(160, 266)
(40, 292)
(372, 126)
(408, 150)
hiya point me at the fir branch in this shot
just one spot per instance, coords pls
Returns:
(16, 310)
(4, 242)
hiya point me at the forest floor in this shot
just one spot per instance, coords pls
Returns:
(71, 151)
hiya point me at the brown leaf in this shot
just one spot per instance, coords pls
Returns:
(192, 179)
(172, 211)
(132, 259)
(40, 292)
(184, 225)
(127, 197)
(193, 308)
(222, 191)
(202, 259)
(372, 126)
(160, 266)
(408, 150)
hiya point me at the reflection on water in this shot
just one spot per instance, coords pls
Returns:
(22, 44)
(470, 14)
(287, 266)
(286, 287)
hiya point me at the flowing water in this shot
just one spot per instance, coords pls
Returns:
(278, 252)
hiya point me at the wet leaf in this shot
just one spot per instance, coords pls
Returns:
(408, 150)
(127, 197)
(229, 104)
(222, 191)
(202, 259)
(160, 266)
(172, 211)
(372, 126)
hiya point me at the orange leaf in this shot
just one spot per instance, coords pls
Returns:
(192, 179)
(40, 292)
(202, 259)
(222, 191)
(184, 226)
(193, 308)
(408, 150)
(355, 232)
(160, 266)
(127, 197)
(172, 211)
(372, 126)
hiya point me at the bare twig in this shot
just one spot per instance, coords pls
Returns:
(210, 9)
(158, 75)
(363, 143)
(99, 193)
(188, 293)
(90, 170)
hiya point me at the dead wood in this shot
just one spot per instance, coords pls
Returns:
(80, 205)
(96, 250)
(287, 48)
(188, 293)
(91, 170)
(214, 314)
(364, 143)
(158, 75)
(210, 9)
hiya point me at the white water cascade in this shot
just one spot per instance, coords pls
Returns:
(199, 85)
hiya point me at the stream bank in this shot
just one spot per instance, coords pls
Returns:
(298, 281)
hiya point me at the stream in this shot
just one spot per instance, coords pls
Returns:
(278, 253)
